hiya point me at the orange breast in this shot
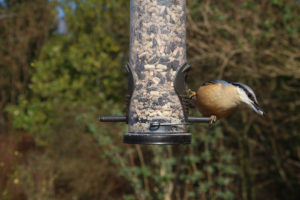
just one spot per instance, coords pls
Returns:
(215, 99)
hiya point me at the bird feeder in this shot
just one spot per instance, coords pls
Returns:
(157, 102)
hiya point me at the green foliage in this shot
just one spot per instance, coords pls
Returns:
(24, 29)
(27, 116)
(80, 70)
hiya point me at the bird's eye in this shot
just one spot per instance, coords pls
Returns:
(250, 97)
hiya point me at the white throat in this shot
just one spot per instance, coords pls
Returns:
(243, 96)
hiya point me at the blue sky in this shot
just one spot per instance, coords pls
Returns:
(60, 12)
(2, 2)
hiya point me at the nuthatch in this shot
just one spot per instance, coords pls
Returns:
(217, 99)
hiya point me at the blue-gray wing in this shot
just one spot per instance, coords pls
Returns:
(224, 83)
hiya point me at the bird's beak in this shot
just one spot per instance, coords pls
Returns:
(258, 109)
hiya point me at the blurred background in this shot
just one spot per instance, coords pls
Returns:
(61, 66)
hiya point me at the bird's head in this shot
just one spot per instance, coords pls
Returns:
(248, 97)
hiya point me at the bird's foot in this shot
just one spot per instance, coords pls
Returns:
(191, 93)
(213, 119)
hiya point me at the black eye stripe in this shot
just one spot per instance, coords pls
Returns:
(251, 97)
(246, 89)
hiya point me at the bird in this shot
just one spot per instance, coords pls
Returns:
(218, 98)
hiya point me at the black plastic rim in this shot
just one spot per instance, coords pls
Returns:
(157, 138)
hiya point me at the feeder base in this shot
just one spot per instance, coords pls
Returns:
(157, 138)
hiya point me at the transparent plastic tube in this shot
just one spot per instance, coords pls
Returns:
(157, 51)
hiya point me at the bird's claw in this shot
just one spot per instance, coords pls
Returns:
(191, 93)
(213, 119)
